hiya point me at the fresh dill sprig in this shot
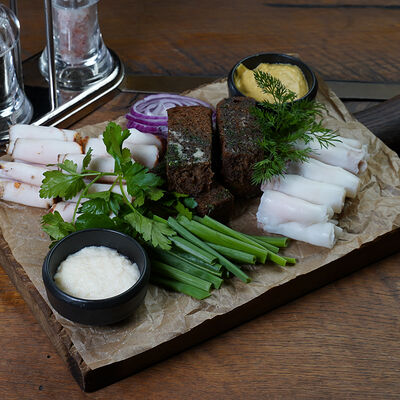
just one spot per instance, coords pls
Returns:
(283, 123)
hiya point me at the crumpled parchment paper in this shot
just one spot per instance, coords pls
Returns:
(165, 315)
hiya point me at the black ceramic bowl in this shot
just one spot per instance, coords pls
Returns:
(104, 311)
(253, 61)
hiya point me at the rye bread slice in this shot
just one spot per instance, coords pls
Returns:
(217, 203)
(189, 148)
(238, 134)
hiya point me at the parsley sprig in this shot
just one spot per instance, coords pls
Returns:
(132, 217)
(283, 123)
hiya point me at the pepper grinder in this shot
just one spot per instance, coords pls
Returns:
(75, 46)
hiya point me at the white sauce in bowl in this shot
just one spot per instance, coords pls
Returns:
(96, 272)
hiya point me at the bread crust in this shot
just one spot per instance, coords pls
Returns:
(238, 134)
(189, 148)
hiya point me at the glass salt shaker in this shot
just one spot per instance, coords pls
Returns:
(81, 58)
(14, 105)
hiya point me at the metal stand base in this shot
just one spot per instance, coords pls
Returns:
(72, 105)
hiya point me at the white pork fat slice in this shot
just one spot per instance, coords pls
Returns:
(321, 234)
(99, 163)
(138, 137)
(24, 131)
(43, 151)
(52, 167)
(315, 192)
(348, 142)
(75, 158)
(343, 155)
(22, 193)
(278, 208)
(66, 210)
(98, 147)
(321, 172)
(345, 142)
(352, 144)
(145, 154)
(21, 172)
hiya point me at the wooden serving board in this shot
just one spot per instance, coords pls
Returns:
(91, 379)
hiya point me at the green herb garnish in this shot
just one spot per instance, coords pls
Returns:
(132, 217)
(282, 124)
(181, 259)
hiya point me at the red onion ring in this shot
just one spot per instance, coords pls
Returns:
(150, 115)
(146, 121)
(159, 130)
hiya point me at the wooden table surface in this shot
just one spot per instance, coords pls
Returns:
(339, 342)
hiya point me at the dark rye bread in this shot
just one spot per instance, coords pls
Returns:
(189, 149)
(238, 133)
(217, 203)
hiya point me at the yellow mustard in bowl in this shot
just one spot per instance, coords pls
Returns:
(290, 75)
